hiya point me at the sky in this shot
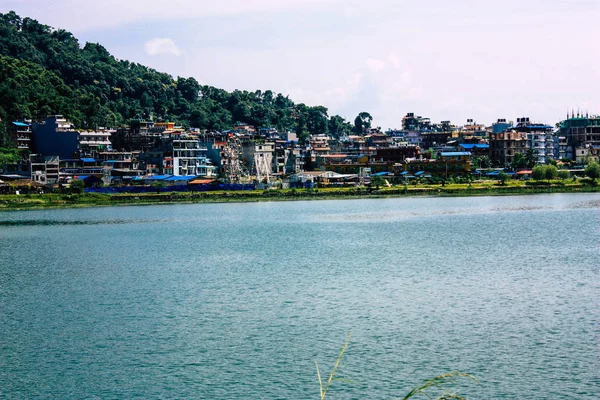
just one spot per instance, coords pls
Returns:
(446, 60)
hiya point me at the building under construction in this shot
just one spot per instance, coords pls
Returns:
(581, 134)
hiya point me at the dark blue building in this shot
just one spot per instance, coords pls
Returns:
(55, 137)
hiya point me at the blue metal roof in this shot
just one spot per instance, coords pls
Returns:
(20, 124)
(455, 153)
(157, 177)
(539, 127)
(181, 178)
(404, 173)
(82, 177)
(419, 173)
(474, 146)
(380, 174)
(88, 159)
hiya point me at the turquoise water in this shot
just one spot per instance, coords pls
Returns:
(237, 301)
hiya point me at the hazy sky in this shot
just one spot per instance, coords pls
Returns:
(438, 58)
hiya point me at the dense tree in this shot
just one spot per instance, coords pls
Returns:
(531, 157)
(482, 162)
(519, 161)
(46, 71)
(362, 123)
(316, 120)
(338, 126)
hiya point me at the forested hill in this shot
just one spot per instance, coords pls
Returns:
(46, 71)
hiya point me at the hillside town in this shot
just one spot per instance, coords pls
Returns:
(162, 155)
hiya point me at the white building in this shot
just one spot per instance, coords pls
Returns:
(92, 143)
(190, 159)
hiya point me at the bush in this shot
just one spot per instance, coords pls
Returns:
(539, 172)
(77, 186)
(563, 174)
(593, 171)
(551, 172)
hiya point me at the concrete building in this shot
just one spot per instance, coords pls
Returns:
(45, 169)
(504, 146)
(501, 125)
(91, 143)
(191, 159)
(579, 132)
(540, 138)
(55, 137)
(20, 135)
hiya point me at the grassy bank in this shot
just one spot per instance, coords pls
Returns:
(487, 188)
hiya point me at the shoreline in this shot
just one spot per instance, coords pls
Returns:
(57, 201)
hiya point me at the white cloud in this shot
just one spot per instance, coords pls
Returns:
(159, 46)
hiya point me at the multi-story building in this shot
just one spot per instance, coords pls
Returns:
(501, 125)
(190, 159)
(20, 135)
(55, 137)
(540, 138)
(579, 132)
(45, 169)
(434, 139)
(262, 157)
(125, 161)
(504, 145)
(378, 140)
(93, 142)
(412, 122)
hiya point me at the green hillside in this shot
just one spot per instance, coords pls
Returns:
(46, 71)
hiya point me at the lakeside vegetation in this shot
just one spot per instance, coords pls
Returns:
(479, 188)
(441, 384)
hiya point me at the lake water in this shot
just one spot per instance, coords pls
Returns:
(237, 301)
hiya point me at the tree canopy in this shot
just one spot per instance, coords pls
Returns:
(46, 71)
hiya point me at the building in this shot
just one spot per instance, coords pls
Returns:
(476, 149)
(501, 125)
(191, 159)
(45, 169)
(447, 164)
(579, 132)
(434, 139)
(504, 145)
(20, 135)
(91, 143)
(55, 137)
(412, 122)
(262, 157)
(540, 138)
